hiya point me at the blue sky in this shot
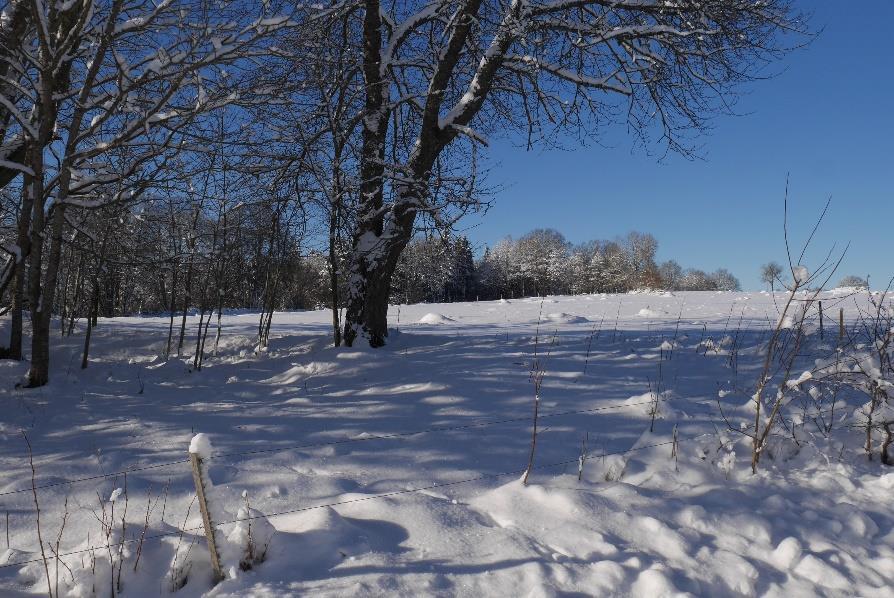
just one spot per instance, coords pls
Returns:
(827, 119)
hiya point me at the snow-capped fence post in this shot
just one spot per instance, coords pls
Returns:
(197, 460)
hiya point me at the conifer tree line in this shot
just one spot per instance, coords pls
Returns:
(189, 156)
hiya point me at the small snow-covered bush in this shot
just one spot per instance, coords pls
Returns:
(249, 539)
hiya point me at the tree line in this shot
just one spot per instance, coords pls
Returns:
(183, 155)
(539, 263)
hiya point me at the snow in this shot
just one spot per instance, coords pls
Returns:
(801, 274)
(848, 290)
(564, 318)
(435, 319)
(348, 471)
(201, 445)
(804, 377)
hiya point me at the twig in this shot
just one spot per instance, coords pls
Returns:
(43, 555)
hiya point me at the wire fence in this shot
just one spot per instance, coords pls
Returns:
(657, 398)
(371, 497)
(391, 436)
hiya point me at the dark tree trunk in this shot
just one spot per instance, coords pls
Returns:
(372, 266)
(333, 254)
(42, 300)
(17, 311)
(173, 307)
(93, 308)
(91, 315)
(18, 289)
(186, 300)
(77, 295)
(378, 241)
(17, 19)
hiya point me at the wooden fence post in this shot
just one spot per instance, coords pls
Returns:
(674, 451)
(198, 478)
(821, 319)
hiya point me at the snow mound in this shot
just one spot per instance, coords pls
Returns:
(787, 554)
(249, 539)
(299, 372)
(322, 537)
(645, 403)
(652, 292)
(563, 318)
(549, 515)
(647, 312)
(435, 319)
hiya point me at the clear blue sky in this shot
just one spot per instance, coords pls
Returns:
(827, 119)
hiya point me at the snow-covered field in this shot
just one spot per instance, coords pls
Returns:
(442, 512)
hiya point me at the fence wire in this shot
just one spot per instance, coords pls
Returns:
(181, 531)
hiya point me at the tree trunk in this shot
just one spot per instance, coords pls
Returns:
(42, 299)
(94, 307)
(63, 296)
(18, 290)
(372, 266)
(187, 290)
(17, 310)
(173, 307)
(333, 254)
(186, 300)
(79, 282)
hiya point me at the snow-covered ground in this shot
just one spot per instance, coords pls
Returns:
(442, 512)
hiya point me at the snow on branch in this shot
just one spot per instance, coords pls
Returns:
(572, 76)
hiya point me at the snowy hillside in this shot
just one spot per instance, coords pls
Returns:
(395, 472)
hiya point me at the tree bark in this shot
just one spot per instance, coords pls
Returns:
(18, 290)
(379, 240)
(93, 309)
(42, 302)
(333, 253)
(173, 307)
(372, 266)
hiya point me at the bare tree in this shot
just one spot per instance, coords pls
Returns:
(784, 348)
(440, 74)
(770, 273)
(112, 85)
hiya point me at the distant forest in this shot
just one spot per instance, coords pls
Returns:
(542, 262)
